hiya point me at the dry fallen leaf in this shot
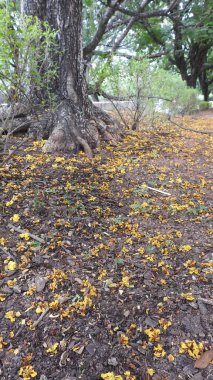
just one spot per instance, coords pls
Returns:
(205, 359)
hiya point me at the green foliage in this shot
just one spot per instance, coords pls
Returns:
(197, 210)
(149, 89)
(204, 105)
(88, 3)
(26, 70)
(170, 86)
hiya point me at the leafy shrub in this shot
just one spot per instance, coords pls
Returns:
(150, 90)
(204, 105)
(26, 70)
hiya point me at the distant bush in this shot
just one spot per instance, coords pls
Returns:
(150, 90)
(204, 105)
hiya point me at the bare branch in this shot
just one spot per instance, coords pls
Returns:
(116, 24)
(20, 230)
(101, 28)
(190, 129)
(155, 13)
(136, 15)
(130, 56)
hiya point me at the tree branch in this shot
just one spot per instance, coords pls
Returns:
(189, 129)
(101, 28)
(105, 54)
(141, 14)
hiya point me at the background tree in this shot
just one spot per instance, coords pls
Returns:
(77, 122)
(187, 39)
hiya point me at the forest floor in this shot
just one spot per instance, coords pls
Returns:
(101, 276)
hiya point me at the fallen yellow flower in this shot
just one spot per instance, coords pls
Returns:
(27, 372)
(11, 265)
(123, 339)
(53, 348)
(159, 352)
(110, 376)
(150, 371)
(187, 296)
(153, 334)
(15, 218)
(192, 348)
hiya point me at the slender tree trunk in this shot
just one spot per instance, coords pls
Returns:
(75, 120)
(204, 85)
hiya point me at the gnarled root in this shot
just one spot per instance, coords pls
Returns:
(72, 130)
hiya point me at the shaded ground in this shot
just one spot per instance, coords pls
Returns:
(122, 284)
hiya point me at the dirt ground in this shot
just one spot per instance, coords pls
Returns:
(106, 264)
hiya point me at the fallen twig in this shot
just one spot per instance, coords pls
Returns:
(61, 301)
(21, 231)
(190, 129)
(35, 324)
(159, 191)
(8, 253)
(205, 300)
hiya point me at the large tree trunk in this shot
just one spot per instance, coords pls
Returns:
(75, 124)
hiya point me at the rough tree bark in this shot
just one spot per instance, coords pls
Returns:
(75, 123)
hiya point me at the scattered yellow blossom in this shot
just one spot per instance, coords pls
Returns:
(185, 248)
(153, 334)
(192, 348)
(25, 235)
(54, 305)
(102, 274)
(170, 358)
(159, 352)
(20, 247)
(2, 297)
(31, 290)
(40, 308)
(164, 323)
(128, 376)
(193, 270)
(15, 218)
(58, 277)
(187, 296)
(150, 371)
(12, 316)
(2, 343)
(2, 241)
(12, 282)
(110, 376)
(124, 340)
(11, 265)
(125, 281)
(53, 348)
(92, 199)
(27, 372)
(59, 159)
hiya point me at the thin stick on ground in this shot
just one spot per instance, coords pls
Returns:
(159, 191)
(189, 129)
(8, 253)
(61, 301)
(205, 300)
(21, 231)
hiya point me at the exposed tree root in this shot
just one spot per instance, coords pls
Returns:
(86, 146)
(73, 130)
